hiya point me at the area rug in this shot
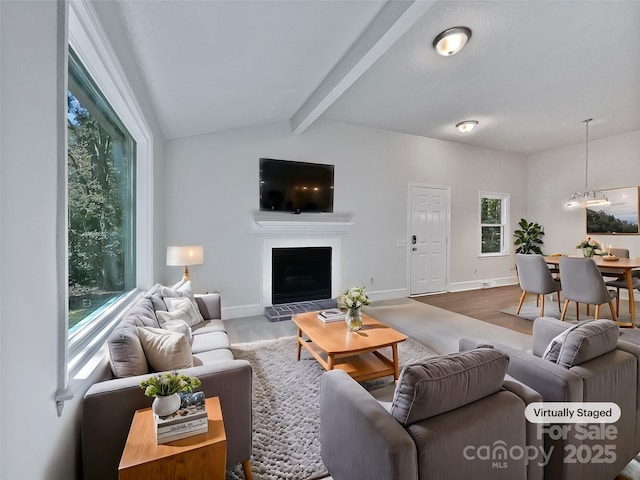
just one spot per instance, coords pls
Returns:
(530, 311)
(286, 407)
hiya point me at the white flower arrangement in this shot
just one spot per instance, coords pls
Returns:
(353, 299)
(592, 245)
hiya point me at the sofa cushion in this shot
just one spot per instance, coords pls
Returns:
(444, 383)
(183, 290)
(182, 307)
(158, 303)
(126, 355)
(165, 350)
(208, 326)
(179, 326)
(587, 341)
(212, 356)
(155, 296)
(143, 314)
(210, 341)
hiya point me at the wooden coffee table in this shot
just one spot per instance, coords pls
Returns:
(357, 353)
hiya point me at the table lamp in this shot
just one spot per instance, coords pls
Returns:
(185, 255)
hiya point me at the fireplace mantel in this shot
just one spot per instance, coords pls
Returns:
(275, 222)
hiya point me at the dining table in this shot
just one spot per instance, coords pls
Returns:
(622, 265)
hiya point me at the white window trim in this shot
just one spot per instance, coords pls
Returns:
(91, 44)
(504, 215)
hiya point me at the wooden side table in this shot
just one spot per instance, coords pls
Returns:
(201, 456)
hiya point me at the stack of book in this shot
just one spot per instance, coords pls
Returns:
(186, 422)
(331, 315)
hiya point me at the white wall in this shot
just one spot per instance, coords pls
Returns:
(35, 442)
(553, 175)
(212, 191)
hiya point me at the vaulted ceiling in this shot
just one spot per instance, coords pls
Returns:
(532, 71)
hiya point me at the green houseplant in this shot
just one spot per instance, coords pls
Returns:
(165, 389)
(528, 238)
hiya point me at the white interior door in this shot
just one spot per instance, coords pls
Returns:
(428, 239)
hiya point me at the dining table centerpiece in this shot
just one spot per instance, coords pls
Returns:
(352, 302)
(590, 247)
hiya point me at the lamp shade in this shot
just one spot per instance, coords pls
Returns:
(185, 255)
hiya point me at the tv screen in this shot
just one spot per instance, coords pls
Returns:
(287, 186)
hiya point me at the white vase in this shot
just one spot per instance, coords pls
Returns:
(163, 406)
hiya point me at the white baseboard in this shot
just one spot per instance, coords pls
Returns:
(242, 311)
(485, 283)
(388, 294)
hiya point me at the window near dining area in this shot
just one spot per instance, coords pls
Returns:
(493, 223)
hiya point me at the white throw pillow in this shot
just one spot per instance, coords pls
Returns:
(184, 290)
(179, 326)
(180, 308)
(552, 352)
(165, 350)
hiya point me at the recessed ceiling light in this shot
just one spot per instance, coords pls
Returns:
(451, 41)
(466, 126)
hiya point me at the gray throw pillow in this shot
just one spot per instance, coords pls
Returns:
(444, 383)
(587, 341)
(126, 356)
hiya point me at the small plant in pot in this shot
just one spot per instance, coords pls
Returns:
(165, 389)
(528, 238)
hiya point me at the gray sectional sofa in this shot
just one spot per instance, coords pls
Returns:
(109, 405)
(438, 422)
(586, 362)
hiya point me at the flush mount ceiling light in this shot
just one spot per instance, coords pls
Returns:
(466, 126)
(588, 198)
(451, 41)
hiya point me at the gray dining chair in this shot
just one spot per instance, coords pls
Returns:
(535, 277)
(621, 281)
(583, 283)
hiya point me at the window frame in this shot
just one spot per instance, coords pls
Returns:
(80, 353)
(504, 223)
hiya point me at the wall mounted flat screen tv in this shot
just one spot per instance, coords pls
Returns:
(296, 187)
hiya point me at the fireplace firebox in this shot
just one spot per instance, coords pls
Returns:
(300, 274)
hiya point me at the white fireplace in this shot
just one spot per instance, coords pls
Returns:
(268, 244)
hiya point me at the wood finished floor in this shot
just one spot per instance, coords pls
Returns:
(483, 305)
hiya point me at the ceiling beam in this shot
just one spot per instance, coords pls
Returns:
(393, 21)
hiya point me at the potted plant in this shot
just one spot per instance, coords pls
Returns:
(528, 238)
(165, 389)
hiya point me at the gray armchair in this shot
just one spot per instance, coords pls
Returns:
(592, 365)
(441, 412)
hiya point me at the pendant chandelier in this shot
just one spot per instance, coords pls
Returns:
(587, 198)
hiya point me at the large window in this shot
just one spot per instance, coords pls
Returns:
(101, 201)
(493, 223)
